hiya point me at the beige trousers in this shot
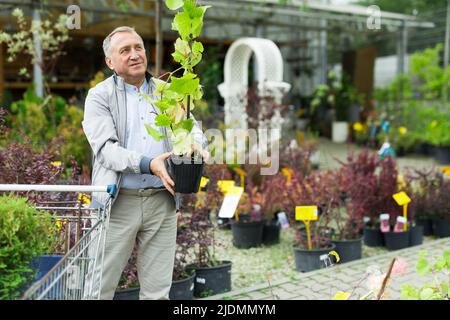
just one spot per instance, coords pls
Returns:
(148, 217)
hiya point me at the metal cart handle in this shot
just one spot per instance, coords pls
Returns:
(110, 189)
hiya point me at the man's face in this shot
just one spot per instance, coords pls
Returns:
(127, 56)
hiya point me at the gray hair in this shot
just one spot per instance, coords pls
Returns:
(107, 41)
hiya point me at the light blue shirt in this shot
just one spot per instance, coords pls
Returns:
(139, 113)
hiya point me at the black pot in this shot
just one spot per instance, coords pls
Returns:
(309, 260)
(396, 240)
(182, 289)
(127, 294)
(348, 250)
(186, 173)
(212, 280)
(427, 225)
(271, 233)
(424, 148)
(441, 227)
(416, 235)
(247, 234)
(373, 237)
(442, 155)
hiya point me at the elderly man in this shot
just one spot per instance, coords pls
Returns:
(144, 211)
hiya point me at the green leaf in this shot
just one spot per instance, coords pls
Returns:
(162, 120)
(181, 141)
(440, 264)
(174, 4)
(187, 84)
(182, 24)
(187, 124)
(197, 47)
(156, 135)
(447, 258)
(422, 265)
(160, 86)
(426, 294)
(164, 104)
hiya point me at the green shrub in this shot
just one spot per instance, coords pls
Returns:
(24, 234)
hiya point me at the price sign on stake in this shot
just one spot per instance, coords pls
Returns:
(402, 199)
(306, 214)
(224, 185)
(231, 201)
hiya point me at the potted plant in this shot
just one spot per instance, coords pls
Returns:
(26, 234)
(441, 209)
(176, 98)
(438, 135)
(307, 192)
(212, 276)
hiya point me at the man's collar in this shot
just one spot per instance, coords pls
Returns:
(120, 83)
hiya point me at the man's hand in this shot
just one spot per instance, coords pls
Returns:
(157, 166)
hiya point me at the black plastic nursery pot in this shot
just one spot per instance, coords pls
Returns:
(349, 250)
(397, 240)
(373, 237)
(247, 234)
(309, 260)
(442, 155)
(209, 281)
(427, 225)
(271, 233)
(416, 235)
(127, 294)
(441, 227)
(187, 173)
(182, 289)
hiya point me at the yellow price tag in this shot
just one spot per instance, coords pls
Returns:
(287, 173)
(446, 170)
(224, 185)
(341, 295)
(306, 213)
(240, 171)
(401, 198)
(203, 182)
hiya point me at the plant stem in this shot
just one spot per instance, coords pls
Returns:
(385, 280)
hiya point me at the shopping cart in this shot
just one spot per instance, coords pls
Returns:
(78, 275)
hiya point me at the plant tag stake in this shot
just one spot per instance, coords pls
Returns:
(402, 199)
(230, 202)
(306, 214)
(224, 185)
(203, 182)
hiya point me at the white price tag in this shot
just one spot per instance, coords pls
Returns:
(283, 220)
(230, 202)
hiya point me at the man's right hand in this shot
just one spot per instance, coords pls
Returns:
(158, 168)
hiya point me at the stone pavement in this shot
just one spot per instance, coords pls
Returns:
(324, 283)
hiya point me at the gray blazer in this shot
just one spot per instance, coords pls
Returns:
(104, 124)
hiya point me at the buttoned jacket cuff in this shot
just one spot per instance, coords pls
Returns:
(145, 165)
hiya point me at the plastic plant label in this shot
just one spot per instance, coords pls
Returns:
(446, 170)
(230, 202)
(200, 280)
(401, 198)
(399, 226)
(306, 213)
(340, 295)
(224, 185)
(287, 173)
(384, 222)
(283, 220)
(203, 182)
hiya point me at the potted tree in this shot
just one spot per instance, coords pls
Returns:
(212, 276)
(306, 192)
(176, 98)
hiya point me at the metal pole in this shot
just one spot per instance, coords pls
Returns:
(158, 31)
(37, 67)
(402, 48)
(446, 51)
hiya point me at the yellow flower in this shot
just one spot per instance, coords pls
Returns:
(402, 130)
(434, 123)
(56, 163)
(340, 295)
(358, 127)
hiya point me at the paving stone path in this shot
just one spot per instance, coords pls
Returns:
(324, 283)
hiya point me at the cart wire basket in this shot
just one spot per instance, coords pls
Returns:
(78, 275)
